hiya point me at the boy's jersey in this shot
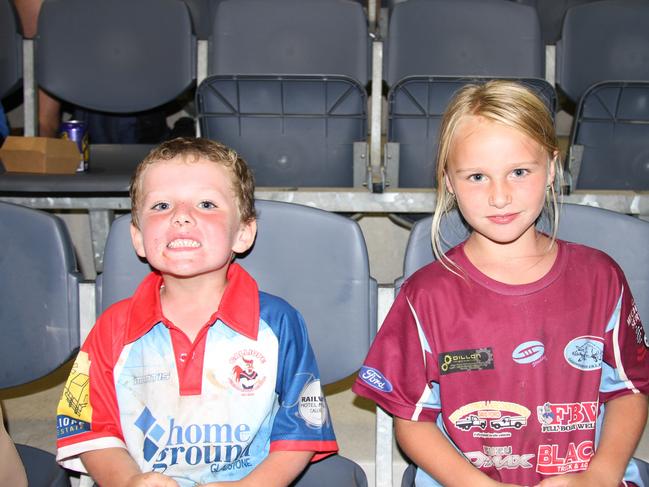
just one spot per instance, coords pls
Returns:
(199, 412)
(516, 376)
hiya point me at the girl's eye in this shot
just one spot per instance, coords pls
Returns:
(160, 206)
(476, 177)
(206, 205)
(519, 172)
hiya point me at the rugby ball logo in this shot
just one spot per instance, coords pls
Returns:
(528, 352)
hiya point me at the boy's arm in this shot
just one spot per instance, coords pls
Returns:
(279, 469)
(624, 422)
(114, 467)
(425, 445)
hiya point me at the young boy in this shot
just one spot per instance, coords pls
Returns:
(196, 379)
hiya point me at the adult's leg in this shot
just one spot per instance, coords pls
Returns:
(49, 109)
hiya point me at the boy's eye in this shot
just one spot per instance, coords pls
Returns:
(519, 172)
(160, 206)
(206, 205)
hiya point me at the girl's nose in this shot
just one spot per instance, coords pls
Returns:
(500, 195)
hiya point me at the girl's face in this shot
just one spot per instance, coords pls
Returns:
(499, 176)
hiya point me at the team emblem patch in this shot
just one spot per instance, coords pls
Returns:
(585, 352)
(247, 370)
(529, 353)
(466, 360)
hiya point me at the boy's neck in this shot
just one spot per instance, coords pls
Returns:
(190, 302)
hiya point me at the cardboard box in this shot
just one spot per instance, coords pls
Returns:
(40, 155)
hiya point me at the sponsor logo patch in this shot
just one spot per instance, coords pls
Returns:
(559, 418)
(375, 379)
(74, 412)
(246, 374)
(576, 458)
(166, 444)
(312, 406)
(499, 457)
(531, 352)
(585, 352)
(466, 360)
(490, 419)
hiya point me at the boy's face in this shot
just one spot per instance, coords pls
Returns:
(189, 220)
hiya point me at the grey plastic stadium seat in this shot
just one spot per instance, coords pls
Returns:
(120, 56)
(416, 106)
(610, 138)
(289, 37)
(314, 259)
(292, 130)
(603, 41)
(288, 88)
(490, 38)
(11, 49)
(623, 237)
(39, 313)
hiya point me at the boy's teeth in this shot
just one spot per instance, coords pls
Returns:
(183, 243)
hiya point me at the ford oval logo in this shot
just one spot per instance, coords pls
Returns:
(375, 379)
(528, 352)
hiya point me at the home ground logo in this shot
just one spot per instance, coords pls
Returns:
(245, 375)
(585, 352)
(221, 446)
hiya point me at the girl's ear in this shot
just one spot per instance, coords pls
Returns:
(552, 170)
(447, 182)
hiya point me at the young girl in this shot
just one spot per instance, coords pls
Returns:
(515, 358)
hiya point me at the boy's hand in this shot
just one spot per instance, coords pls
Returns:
(151, 479)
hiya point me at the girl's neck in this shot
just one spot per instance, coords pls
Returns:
(526, 260)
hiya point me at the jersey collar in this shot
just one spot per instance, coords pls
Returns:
(239, 307)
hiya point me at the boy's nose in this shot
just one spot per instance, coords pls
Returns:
(182, 216)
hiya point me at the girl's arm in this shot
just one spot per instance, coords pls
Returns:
(624, 422)
(425, 445)
(278, 469)
(115, 467)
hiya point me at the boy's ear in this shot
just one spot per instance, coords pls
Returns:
(246, 237)
(138, 241)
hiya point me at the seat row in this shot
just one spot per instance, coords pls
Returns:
(41, 295)
(285, 82)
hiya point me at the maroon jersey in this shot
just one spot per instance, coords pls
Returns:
(516, 376)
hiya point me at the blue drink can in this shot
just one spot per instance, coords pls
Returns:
(76, 131)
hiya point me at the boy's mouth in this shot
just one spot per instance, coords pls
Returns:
(180, 243)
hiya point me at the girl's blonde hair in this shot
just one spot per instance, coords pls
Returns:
(508, 103)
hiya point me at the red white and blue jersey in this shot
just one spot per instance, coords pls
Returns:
(199, 412)
(516, 376)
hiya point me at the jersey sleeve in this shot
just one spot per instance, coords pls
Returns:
(302, 422)
(625, 366)
(400, 373)
(87, 413)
